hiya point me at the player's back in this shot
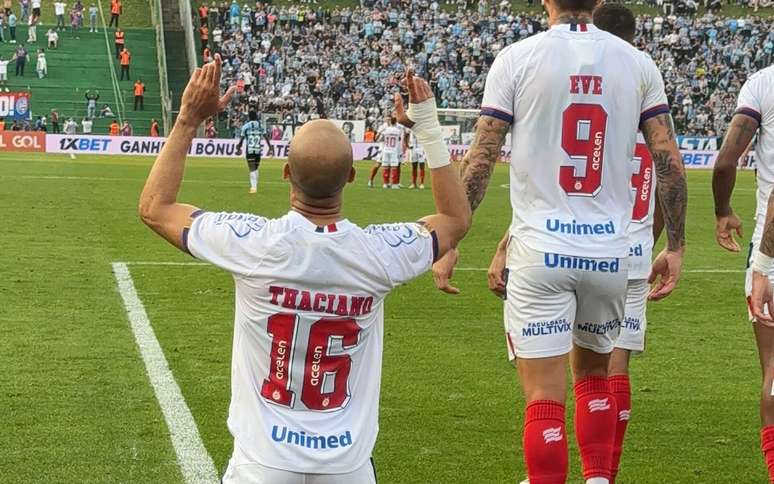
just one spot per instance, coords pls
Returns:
(308, 331)
(575, 95)
(392, 137)
(756, 100)
(253, 132)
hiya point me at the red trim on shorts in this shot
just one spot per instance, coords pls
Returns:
(510, 343)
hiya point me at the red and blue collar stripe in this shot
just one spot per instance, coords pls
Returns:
(326, 229)
(579, 28)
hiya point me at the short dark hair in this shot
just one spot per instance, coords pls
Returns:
(575, 5)
(252, 116)
(616, 19)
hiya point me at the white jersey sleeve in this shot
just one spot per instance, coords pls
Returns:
(218, 238)
(499, 89)
(654, 100)
(407, 250)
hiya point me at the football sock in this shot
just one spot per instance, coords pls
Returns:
(413, 174)
(619, 387)
(395, 175)
(374, 171)
(595, 426)
(386, 176)
(254, 179)
(422, 174)
(767, 446)
(545, 443)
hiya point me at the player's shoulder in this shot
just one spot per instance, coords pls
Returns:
(764, 76)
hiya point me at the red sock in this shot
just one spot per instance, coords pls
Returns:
(767, 446)
(422, 174)
(374, 171)
(395, 176)
(386, 176)
(545, 443)
(413, 174)
(622, 393)
(595, 423)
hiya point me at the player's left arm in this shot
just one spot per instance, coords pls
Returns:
(158, 206)
(672, 196)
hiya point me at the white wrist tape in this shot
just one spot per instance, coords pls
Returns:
(428, 132)
(762, 263)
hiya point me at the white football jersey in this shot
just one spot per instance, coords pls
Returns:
(574, 122)
(392, 138)
(756, 99)
(643, 185)
(307, 354)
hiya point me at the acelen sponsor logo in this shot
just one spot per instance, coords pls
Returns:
(22, 141)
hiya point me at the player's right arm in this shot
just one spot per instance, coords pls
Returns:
(738, 137)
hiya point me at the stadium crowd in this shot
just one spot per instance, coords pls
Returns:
(305, 62)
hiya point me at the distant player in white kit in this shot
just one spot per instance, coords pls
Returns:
(391, 138)
(417, 158)
(310, 290)
(574, 97)
(754, 114)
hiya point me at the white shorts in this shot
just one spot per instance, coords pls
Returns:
(390, 158)
(635, 322)
(241, 470)
(553, 301)
(418, 156)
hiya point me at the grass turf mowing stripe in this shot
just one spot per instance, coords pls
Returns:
(195, 462)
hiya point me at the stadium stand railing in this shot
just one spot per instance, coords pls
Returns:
(161, 54)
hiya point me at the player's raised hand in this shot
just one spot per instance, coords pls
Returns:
(201, 98)
(761, 299)
(419, 91)
(443, 270)
(725, 227)
(665, 273)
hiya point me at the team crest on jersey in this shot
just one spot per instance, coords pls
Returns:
(398, 234)
(241, 224)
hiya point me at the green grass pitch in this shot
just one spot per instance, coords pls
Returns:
(76, 404)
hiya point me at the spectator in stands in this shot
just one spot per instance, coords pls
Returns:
(91, 102)
(210, 130)
(203, 11)
(36, 8)
(126, 129)
(42, 64)
(53, 39)
(59, 11)
(139, 95)
(40, 123)
(12, 27)
(25, 9)
(54, 116)
(125, 59)
(70, 127)
(154, 129)
(32, 30)
(2, 125)
(114, 128)
(4, 74)
(76, 17)
(7, 6)
(106, 112)
(2, 25)
(116, 9)
(204, 36)
(16, 126)
(87, 125)
(93, 10)
(21, 56)
(120, 40)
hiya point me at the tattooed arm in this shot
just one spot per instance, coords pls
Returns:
(659, 133)
(479, 161)
(738, 137)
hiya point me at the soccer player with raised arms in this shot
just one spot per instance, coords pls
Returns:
(310, 291)
(573, 98)
(754, 114)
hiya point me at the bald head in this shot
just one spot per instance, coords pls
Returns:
(320, 159)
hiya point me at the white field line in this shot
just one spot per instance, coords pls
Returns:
(195, 463)
(116, 179)
(464, 269)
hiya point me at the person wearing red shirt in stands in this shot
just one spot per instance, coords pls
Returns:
(154, 130)
(139, 95)
(116, 9)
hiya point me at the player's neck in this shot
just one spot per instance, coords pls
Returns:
(571, 18)
(319, 212)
